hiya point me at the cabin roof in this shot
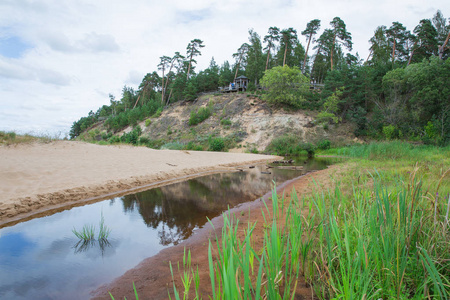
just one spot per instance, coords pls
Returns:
(242, 77)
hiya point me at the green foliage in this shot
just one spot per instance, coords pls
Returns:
(154, 144)
(389, 132)
(148, 122)
(285, 86)
(190, 93)
(289, 145)
(324, 145)
(216, 144)
(133, 116)
(225, 122)
(200, 115)
(330, 109)
(132, 137)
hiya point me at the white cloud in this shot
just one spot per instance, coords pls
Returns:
(80, 51)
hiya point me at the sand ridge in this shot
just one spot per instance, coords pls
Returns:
(36, 177)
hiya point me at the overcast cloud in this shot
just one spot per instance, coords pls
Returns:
(59, 59)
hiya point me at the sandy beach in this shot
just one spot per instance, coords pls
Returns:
(38, 177)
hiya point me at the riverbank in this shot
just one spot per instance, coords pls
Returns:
(38, 177)
(152, 276)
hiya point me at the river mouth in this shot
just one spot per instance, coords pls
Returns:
(43, 259)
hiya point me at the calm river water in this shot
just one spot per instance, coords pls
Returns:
(43, 259)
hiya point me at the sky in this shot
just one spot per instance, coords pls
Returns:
(60, 59)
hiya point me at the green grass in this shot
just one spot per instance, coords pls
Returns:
(87, 233)
(382, 232)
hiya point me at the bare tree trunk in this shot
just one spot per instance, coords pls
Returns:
(189, 68)
(268, 55)
(332, 50)
(285, 52)
(368, 56)
(306, 54)
(162, 88)
(237, 67)
(412, 53)
(442, 48)
(170, 95)
(167, 81)
(393, 53)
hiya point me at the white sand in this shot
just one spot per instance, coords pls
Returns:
(35, 177)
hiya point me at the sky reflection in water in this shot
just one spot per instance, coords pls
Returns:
(43, 259)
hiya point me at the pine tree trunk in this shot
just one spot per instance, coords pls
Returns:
(332, 50)
(306, 54)
(268, 55)
(442, 48)
(393, 53)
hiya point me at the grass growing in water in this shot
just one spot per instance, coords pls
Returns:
(85, 234)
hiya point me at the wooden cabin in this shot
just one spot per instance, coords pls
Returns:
(240, 84)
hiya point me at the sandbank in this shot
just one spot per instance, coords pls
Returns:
(39, 177)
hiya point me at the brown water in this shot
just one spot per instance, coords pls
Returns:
(42, 258)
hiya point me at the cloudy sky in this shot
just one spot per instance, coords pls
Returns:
(59, 59)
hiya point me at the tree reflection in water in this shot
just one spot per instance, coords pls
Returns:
(178, 209)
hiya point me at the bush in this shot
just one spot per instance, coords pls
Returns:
(289, 145)
(216, 144)
(324, 145)
(148, 122)
(225, 122)
(389, 132)
(199, 115)
(143, 140)
(193, 146)
(114, 139)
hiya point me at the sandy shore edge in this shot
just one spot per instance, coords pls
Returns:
(39, 178)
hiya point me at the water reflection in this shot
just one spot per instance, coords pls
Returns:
(177, 210)
(42, 259)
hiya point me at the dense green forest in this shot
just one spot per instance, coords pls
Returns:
(400, 91)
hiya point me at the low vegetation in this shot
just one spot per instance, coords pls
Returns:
(381, 232)
(12, 138)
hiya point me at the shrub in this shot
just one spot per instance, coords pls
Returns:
(199, 115)
(148, 122)
(289, 145)
(158, 113)
(217, 144)
(225, 122)
(143, 140)
(389, 131)
(193, 146)
(324, 145)
(114, 139)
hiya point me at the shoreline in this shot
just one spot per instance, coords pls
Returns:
(40, 179)
(152, 276)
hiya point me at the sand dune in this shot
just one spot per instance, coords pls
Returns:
(37, 177)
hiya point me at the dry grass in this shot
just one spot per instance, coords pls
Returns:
(11, 138)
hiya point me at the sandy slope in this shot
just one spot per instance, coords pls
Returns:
(38, 177)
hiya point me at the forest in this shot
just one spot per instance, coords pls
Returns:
(400, 91)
